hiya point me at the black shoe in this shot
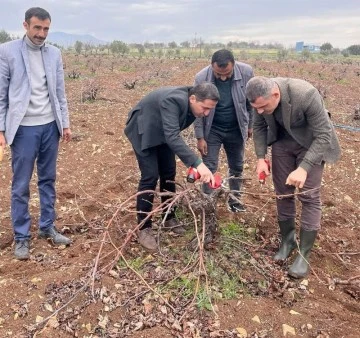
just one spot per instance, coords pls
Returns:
(55, 236)
(22, 250)
(236, 207)
(174, 226)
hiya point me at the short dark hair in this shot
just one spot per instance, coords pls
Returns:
(38, 12)
(259, 86)
(205, 91)
(222, 58)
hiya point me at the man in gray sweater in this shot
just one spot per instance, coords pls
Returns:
(33, 116)
(292, 119)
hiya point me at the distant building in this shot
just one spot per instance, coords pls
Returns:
(300, 46)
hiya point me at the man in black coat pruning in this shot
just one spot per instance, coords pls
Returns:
(153, 128)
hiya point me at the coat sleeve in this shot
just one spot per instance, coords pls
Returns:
(249, 107)
(171, 111)
(260, 135)
(318, 120)
(4, 89)
(60, 92)
(199, 122)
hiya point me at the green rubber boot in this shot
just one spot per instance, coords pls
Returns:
(300, 267)
(288, 241)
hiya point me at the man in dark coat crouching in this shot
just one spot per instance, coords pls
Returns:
(153, 128)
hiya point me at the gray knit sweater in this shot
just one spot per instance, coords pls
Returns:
(39, 111)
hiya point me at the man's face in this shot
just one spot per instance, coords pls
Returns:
(266, 105)
(37, 30)
(223, 73)
(201, 108)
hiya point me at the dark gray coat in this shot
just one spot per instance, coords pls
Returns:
(305, 118)
(158, 119)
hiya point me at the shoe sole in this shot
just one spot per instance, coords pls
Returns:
(297, 275)
(235, 212)
(148, 249)
(183, 232)
(283, 259)
(22, 258)
(153, 249)
(52, 241)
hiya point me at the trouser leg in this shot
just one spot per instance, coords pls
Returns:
(286, 157)
(211, 160)
(283, 163)
(24, 151)
(148, 166)
(46, 169)
(310, 221)
(167, 172)
(311, 200)
(234, 149)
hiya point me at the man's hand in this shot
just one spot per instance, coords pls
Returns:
(205, 174)
(2, 139)
(297, 178)
(202, 146)
(250, 133)
(66, 134)
(262, 166)
(2, 145)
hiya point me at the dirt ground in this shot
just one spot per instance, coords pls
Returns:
(88, 294)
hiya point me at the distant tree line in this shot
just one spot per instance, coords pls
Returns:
(5, 36)
(353, 50)
(327, 49)
(173, 48)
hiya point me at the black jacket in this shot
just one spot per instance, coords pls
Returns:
(158, 119)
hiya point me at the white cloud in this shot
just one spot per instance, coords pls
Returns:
(281, 21)
(341, 31)
(153, 7)
(157, 29)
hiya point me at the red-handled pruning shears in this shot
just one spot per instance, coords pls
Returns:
(262, 175)
(193, 175)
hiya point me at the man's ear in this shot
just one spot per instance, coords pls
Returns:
(276, 94)
(25, 24)
(192, 98)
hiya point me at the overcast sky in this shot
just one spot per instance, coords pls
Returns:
(283, 21)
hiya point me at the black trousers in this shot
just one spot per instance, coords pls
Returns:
(158, 163)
